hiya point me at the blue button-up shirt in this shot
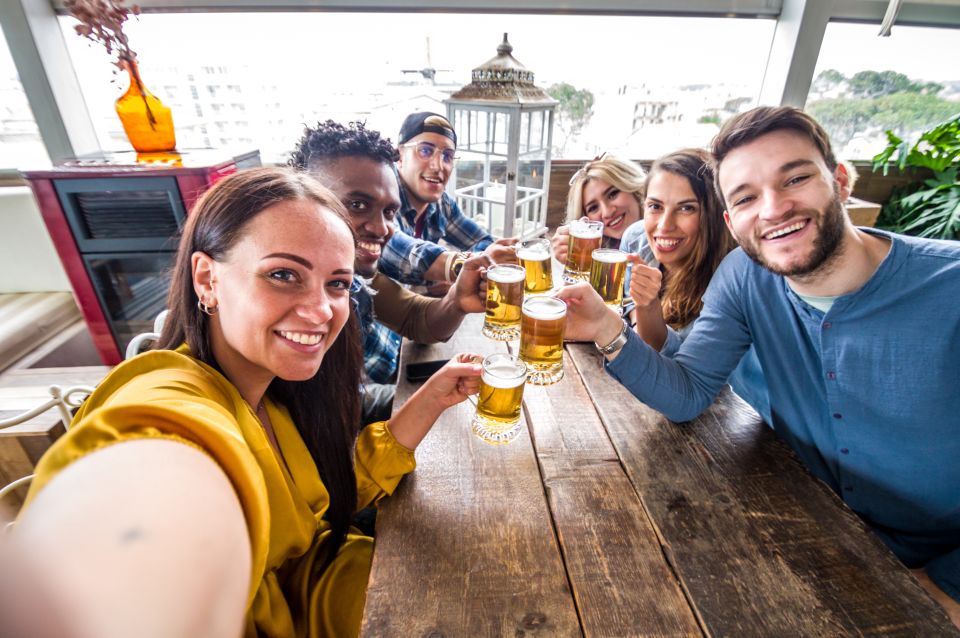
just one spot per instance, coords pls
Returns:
(868, 394)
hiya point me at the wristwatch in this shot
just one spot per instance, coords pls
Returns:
(618, 342)
(456, 265)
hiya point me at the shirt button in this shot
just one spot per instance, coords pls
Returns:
(831, 375)
(837, 415)
(827, 325)
(844, 451)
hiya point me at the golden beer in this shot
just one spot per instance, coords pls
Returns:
(607, 274)
(534, 256)
(504, 296)
(541, 339)
(585, 237)
(501, 394)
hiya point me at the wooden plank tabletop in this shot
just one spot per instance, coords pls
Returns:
(605, 519)
(466, 546)
(762, 547)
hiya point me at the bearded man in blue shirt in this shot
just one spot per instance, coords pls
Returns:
(857, 331)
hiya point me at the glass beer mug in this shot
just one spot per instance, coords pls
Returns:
(608, 273)
(504, 296)
(541, 339)
(498, 404)
(585, 237)
(535, 257)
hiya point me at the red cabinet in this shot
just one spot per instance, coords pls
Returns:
(115, 222)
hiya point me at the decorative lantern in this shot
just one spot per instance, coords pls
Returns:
(504, 127)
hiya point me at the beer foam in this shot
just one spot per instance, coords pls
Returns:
(609, 256)
(533, 254)
(586, 232)
(544, 308)
(506, 274)
(502, 374)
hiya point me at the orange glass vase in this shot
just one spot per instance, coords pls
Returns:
(146, 121)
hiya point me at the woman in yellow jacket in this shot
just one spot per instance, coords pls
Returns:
(206, 488)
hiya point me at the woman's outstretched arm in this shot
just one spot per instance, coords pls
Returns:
(141, 538)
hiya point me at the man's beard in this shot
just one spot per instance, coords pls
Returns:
(826, 247)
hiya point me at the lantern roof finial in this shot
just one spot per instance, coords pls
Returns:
(503, 79)
(505, 47)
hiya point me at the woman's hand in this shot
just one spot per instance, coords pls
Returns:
(450, 385)
(645, 283)
(454, 382)
(560, 242)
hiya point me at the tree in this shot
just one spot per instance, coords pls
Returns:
(573, 112)
(827, 80)
(878, 100)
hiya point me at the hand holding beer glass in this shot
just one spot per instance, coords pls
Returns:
(504, 296)
(585, 237)
(541, 339)
(501, 393)
(534, 255)
(607, 274)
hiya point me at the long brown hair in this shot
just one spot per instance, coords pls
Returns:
(682, 294)
(325, 408)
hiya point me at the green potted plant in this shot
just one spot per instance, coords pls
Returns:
(928, 208)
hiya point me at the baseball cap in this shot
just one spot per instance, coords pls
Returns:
(426, 122)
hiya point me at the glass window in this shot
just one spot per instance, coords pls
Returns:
(20, 143)
(865, 84)
(654, 83)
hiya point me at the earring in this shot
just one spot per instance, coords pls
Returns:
(205, 309)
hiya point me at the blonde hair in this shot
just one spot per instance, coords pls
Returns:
(622, 174)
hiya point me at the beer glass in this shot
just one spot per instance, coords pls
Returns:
(534, 255)
(498, 405)
(585, 236)
(541, 339)
(504, 296)
(607, 274)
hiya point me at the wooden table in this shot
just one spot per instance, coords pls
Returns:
(21, 446)
(605, 519)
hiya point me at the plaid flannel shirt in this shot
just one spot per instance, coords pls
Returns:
(406, 259)
(444, 220)
(381, 346)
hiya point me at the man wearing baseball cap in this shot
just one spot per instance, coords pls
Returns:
(427, 145)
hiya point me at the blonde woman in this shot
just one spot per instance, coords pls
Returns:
(608, 190)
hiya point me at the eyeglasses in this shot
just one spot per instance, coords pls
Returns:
(426, 151)
(583, 169)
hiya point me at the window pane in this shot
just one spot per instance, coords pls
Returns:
(660, 82)
(20, 143)
(865, 84)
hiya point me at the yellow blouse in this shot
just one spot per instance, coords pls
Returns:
(169, 394)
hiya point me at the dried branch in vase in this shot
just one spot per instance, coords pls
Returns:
(101, 21)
